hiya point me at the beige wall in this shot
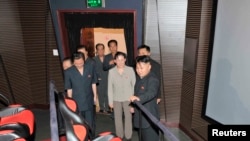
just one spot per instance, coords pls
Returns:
(103, 35)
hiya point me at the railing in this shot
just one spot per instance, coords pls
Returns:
(7, 79)
(53, 113)
(6, 101)
(167, 134)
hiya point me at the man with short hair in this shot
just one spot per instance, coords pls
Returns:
(88, 60)
(156, 67)
(79, 81)
(102, 78)
(146, 91)
(109, 62)
(67, 63)
(91, 63)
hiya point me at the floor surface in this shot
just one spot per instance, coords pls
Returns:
(103, 123)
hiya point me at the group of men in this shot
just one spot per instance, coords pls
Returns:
(116, 85)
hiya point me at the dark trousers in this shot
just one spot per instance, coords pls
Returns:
(94, 120)
(103, 97)
(60, 121)
(89, 117)
(150, 134)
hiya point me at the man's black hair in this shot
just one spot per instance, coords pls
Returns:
(144, 46)
(78, 55)
(67, 58)
(112, 41)
(81, 47)
(99, 45)
(143, 59)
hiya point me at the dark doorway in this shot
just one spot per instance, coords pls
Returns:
(71, 22)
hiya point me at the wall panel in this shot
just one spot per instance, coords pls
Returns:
(27, 42)
(13, 53)
(198, 27)
(165, 33)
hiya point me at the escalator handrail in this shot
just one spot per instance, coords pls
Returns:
(157, 122)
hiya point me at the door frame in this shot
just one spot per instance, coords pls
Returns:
(63, 29)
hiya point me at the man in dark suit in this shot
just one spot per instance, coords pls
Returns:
(146, 91)
(108, 61)
(91, 63)
(156, 67)
(102, 78)
(79, 81)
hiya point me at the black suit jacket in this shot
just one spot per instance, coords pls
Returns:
(146, 89)
(106, 65)
(156, 69)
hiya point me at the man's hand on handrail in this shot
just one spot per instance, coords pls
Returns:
(133, 98)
